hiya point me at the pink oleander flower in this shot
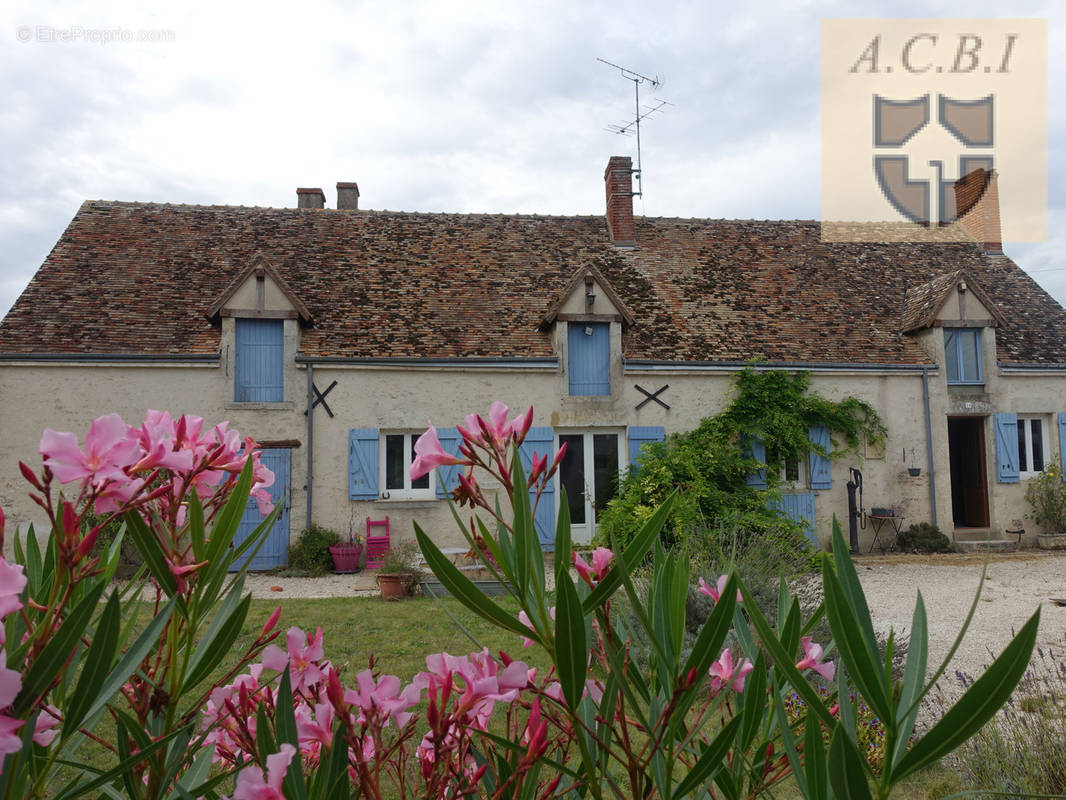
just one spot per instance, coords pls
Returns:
(812, 659)
(484, 683)
(377, 702)
(715, 592)
(593, 573)
(10, 684)
(109, 449)
(303, 658)
(12, 582)
(523, 617)
(44, 730)
(496, 431)
(252, 786)
(429, 454)
(724, 671)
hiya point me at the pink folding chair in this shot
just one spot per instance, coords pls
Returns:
(376, 546)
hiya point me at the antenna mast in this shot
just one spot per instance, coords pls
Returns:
(634, 124)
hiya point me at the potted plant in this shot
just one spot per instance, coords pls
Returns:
(400, 570)
(347, 555)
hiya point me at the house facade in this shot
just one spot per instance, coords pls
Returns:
(333, 336)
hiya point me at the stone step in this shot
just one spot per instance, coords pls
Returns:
(973, 545)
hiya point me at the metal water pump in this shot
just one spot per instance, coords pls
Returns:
(856, 515)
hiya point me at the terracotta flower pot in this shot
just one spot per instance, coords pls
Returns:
(394, 586)
(346, 557)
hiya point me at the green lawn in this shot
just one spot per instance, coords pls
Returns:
(398, 634)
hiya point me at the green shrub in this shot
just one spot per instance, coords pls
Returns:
(924, 537)
(708, 467)
(310, 553)
(1046, 494)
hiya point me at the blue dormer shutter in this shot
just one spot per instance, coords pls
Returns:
(821, 471)
(755, 448)
(589, 358)
(640, 435)
(1006, 428)
(449, 473)
(542, 442)
(260, 361)
(363, 464)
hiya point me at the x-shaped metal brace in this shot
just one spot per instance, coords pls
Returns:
(649, 396)
(320, 398)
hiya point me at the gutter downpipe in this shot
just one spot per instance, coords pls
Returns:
(929, 445)
(310, 440)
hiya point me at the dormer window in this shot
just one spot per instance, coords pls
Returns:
(589, 356)
(962, 354)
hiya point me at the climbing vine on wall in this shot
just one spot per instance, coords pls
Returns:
(709, 466)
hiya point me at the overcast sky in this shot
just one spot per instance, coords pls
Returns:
(434, 106)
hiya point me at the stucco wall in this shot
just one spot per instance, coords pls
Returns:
(68, 397)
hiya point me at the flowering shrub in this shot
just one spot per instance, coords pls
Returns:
(869, 730)
(290, 724)
(181, 489)
(1046, 495)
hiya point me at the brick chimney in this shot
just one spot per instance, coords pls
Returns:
(310, 198)
(618, 178)
(977, 201)
(348, 196)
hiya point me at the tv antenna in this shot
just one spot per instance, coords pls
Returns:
(633, 125)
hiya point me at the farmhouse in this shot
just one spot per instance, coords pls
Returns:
(333, 335)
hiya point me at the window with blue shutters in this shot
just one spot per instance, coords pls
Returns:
(589, 358)
(821, 470)
(1007, 464)
(962, 352)
(541, 441)
(260, 361)
(755, 448)
(640, 435)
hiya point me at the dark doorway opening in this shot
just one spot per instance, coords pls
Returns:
(969, 484)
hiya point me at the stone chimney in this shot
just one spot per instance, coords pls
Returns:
(348, 196)
(977, 201)
(310, 198)
(618, 178)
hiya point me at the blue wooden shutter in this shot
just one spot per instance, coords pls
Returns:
(589, 357)
(1062, 443)
(640, 435)
(449, 473)
(363, 464)
(260, 361)
(821, 471)
(542, 442)
(800, 508)
(1006, 427)
(755, 448)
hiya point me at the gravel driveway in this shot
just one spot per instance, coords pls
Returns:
(1016, 585)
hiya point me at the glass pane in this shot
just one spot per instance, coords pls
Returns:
(971, 359)
(1023, 459)
(951, 354)
(572, 475)
(792, 470)
(1038, 444)
(605, 458)
(423, 482)
(394, 462)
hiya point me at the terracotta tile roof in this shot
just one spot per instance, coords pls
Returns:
(140, 278)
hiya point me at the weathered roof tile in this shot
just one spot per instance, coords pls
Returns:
(140, 278)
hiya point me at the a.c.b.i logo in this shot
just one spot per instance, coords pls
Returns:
(934, 130)
(897, 122)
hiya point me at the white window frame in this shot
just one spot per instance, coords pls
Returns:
(1025, 433)
(407, 492)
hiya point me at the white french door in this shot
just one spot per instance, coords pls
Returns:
(589, 474)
